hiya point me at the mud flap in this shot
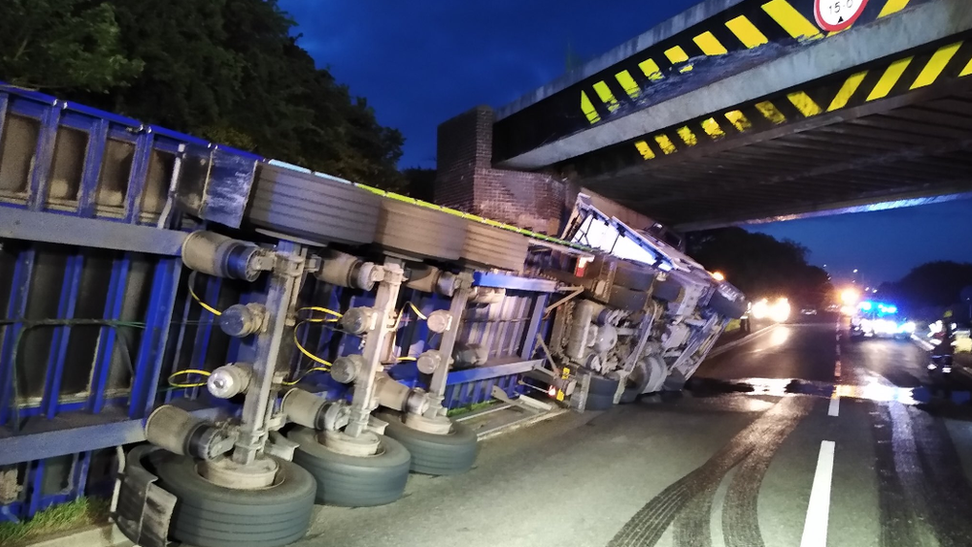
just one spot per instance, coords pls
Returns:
(144, 509)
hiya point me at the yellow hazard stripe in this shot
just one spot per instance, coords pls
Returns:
(650, 68)
(738, 120)
(628, 84)
(645, 150)
(967, 70)
(770, 112)
(889, 78)
(893, 6)
(686, 134)
(747, 33)
(587, 107)
(936, 65)
(604, 92)
(804, 104)
(709, 44)
(790, 19)
(666, 144)
(676, 55)
(847, 91)
(711, 127)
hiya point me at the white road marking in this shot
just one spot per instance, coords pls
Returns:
(818, 511)
(834, 409)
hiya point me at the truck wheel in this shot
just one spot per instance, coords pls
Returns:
(727, 308)
(633, 276)
(207, 515)
(602, 385)
(627, 299)
(668, 290)
(635, 384)
(433, 454)
(353, 481)
(597, 401)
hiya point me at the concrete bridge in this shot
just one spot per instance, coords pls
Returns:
(749, 110)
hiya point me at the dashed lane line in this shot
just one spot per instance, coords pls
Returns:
(818, 511)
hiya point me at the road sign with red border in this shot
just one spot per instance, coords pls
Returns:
(836, 15)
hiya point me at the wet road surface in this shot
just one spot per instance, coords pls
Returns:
(796, 437)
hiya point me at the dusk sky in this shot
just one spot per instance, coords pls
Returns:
(420, 63)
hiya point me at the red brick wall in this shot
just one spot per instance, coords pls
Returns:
(467, 181)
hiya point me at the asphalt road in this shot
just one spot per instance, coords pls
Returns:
(757, 452)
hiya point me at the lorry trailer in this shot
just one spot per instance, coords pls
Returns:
(282, 337)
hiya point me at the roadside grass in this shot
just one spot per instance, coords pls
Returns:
(462, 410)
(53, 520)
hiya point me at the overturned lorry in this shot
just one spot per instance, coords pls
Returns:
(282, 337)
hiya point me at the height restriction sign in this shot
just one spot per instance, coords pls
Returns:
(836, 15)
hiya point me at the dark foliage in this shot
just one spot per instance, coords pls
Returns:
(227, 70)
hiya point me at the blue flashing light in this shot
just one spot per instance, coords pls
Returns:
(867, 305)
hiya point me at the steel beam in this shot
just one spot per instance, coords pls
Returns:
(924, 24)
(84, 232)
(485, 373)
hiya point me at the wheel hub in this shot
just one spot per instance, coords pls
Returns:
(260, 473)
(439, 425)
(365, 444)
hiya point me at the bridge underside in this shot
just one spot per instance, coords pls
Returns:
(914, 154)
(760, 115)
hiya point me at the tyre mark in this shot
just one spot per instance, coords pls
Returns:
(740, 522)
(692, 526)
(899, 483)
(740, 516)
(646, 527)
(949, 493)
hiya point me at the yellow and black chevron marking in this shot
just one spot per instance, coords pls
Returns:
(747, 26)
(941, 63)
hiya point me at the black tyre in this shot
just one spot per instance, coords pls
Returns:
(208, 515)
(353, 481)
(419, 231)
(633, 276)
(602, 385)
(432, 454)
(310, 206)
(674, 382)
(635, 384)
(727, 308)
(492, 247)
(627, 299)
(597, 401)
(668, 290)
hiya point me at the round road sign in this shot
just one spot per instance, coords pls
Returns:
(834, 15)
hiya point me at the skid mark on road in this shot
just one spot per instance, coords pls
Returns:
(925, 498)
(690, 498)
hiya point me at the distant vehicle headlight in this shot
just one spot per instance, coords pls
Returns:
(761, 309)
(780, 310)
(908, 327)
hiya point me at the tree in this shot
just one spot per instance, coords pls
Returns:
(760, 265)
(421, 183)
(63, 44)
(226, 70)
(929, 288)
